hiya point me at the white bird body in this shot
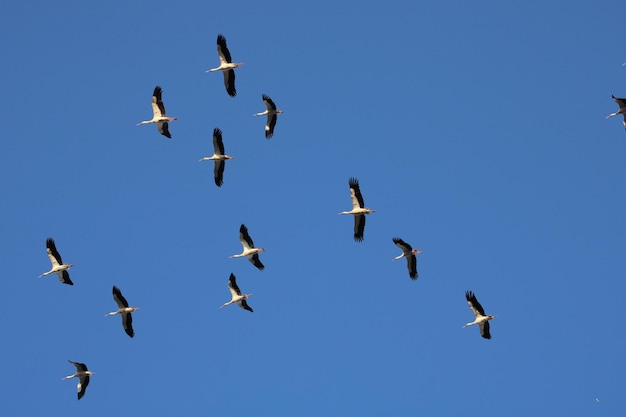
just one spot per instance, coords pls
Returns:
(58, 266)
(158, 114)
(621, 102)
(358, 209)
(409, 253)
(218, 156)
(236, 295)
(227, 66)
(83, 377)
(249, 250)
(271, 111)
(124, 310)
(481, 319)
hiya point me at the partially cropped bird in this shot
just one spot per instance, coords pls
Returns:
(621, 102)
(83, 377)
(57, 263)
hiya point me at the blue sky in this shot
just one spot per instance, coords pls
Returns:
(477, 131)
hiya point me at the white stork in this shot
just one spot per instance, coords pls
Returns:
(271, 112)
(227, 66)
(218, 156)
(158, 114)
(248, 248)
(236, 295)
(83, 377)
(621, 102)
(358, 209)
(481, 319)
(57, 263)
(124, 311)
(409, 253)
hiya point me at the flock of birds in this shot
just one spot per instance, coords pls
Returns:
(358, 211)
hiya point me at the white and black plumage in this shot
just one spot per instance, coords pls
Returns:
(218, 156)
(83, 377)
(227, 66)
(271, 112)
(57, 263)
(409, 253)
(124, 311)
(236, 295)
(481, 319)
(621, 102)
(158, 114)
(358, 209)
(248, 248)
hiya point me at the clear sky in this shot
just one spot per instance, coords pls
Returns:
(476, 129)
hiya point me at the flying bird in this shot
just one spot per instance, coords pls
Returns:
(227, 66)
(248, 248)
(271, 112)
(236, 295)
(57, 263)
(158, 114)
(218, 156)
(481, 319)
(621, 102)
(124, 311)
(83, 377)
(358, 209)
(409, 253)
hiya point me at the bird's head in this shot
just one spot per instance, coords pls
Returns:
(491, 317)
(70, 265)
(369, 210)
(134, 309)
(247, 295)
(416, 251)
(261, 250)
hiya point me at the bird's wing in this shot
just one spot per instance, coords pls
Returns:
(621, 102)
(474, 305)
(359, 227)
(229, 82)
(119, 298)
(127, 323)
(484, 330)
(412, 265)
(404, 247)
(158, 108)
(80, 367)
(218, 172)
(269, 126)
(64, 277)
(355, 194)
(83, 381)
(53, 253)
(256, 261)
(222, 50)
(232, 286)
(245, 238)
(244, 304)
(269, 103)
(218, 144)
(163, 128)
